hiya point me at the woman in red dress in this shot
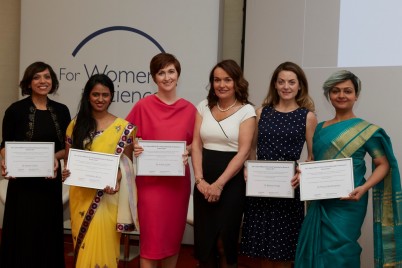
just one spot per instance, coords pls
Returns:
(163, 201)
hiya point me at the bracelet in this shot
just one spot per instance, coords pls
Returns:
(197, 181)
(219, 187)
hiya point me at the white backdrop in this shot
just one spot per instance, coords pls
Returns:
(308, 33)
(119, 38)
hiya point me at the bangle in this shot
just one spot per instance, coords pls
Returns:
(219, 187)
(197, 181)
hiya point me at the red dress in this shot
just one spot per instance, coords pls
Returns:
(162, 201)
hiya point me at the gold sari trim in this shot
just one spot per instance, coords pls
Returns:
(350, 140)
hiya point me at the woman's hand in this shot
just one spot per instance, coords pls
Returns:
(4, 171)
(356, 194)
(188, 148)
(185, 157)
(55, 168)
(381, 169)
(213, 192)
(111, 190)
(295, 182)
(245, 173)
(137, 149)
(3, 168)
(65, 174)
(202, 186)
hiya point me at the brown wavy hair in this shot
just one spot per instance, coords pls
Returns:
(303, 99)
(240, 83)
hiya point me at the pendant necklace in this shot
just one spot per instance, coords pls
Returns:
(227, 109)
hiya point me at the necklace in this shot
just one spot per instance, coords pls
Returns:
(227, 109)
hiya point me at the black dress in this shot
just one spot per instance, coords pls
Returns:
(32, 234)
(219, 219)
(222, 219)
(271, 225)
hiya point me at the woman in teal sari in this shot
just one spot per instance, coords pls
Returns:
(331, 228)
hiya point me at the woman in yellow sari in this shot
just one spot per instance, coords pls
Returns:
(94, 225)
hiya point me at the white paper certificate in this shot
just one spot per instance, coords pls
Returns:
(161, 158)
(92, 169)
(270, 178)
(326, 179)
(29, 159)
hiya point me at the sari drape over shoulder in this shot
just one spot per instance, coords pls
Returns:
(94, 214)
(330, 231)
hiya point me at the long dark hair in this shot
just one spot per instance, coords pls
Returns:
(240, 83)
(85, 123)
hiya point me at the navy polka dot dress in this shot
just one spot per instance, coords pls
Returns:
(271, 225)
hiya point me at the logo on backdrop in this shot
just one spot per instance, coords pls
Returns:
(122, 78)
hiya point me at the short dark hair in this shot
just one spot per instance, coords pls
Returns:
(339, 77)
(30, 72)
(162, 60)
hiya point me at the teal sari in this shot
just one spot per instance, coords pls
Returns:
(331, 228)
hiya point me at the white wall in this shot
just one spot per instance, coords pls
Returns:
(125, 36)
(306, 32)
(230, 47)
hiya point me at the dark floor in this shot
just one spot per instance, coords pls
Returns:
(186, 257)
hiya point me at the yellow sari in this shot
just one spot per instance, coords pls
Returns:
(94, 214)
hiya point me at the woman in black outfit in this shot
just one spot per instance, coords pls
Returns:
(32, 234)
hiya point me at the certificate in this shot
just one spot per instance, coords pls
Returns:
(326, 179)
(270, 178)
(29, 159)
(161, 158)
(92, 169)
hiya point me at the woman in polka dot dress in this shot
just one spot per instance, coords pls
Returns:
(285, 122)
